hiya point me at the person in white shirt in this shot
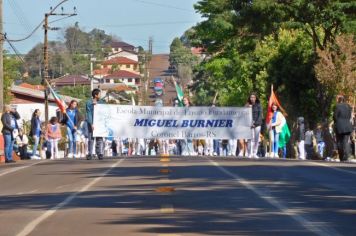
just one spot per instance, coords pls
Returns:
(22, 143)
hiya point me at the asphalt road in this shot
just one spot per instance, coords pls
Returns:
(185, 196)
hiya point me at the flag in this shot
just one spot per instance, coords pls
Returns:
(58, 99)
(180, 93)
(284, 136)
(133, 103)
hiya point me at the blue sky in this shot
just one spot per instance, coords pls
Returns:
(134, 21)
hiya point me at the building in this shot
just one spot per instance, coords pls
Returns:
(120, 63)
(128, 54)
(71, 80)
(122, 76)
(121, 46)
(27, 98)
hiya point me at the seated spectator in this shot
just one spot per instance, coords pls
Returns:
(22, 144)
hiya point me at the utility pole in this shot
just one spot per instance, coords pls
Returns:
(148, 57)
(2, 38)
(45, 62)
(45, 54)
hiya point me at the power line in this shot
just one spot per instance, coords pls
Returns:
(20, 15)
(17, 53)
(164, 5)
(143, 24)
(39, 25)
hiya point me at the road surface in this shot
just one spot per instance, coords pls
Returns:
(185, 196)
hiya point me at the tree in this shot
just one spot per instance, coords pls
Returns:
(183, 61)
(12, 72)
(336, 67)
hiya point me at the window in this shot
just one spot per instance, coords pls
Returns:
(129, 80)
(107, 81)
(127, 66)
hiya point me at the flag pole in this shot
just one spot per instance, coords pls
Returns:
(49, 85)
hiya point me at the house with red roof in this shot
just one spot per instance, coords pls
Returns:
(122, 76)
(71, 80)
(122, 46)
(26, 98)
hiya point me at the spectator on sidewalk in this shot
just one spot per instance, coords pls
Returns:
(9, 122)
(35, 132)
(22, 143)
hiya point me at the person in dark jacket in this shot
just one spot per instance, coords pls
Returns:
(35, 132)
(72, 121)
(9, 122)
(254, 102)
(343, 128)
(99, 147)
(301, 138)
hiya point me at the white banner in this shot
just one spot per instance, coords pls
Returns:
(172, 122)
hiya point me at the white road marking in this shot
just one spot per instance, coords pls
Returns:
(321, 230)
(167, 209)
(33, 224)
(24, 193)
(19, 168)
(335, 168)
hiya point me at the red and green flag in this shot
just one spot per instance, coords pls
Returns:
(58, 99)
(285, 134)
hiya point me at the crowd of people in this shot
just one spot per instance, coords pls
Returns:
(80, 143)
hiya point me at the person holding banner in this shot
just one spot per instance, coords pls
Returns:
(71, 120)
(254, 102)
(99, 147)
(187, 144)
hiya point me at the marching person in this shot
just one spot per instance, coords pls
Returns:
(9, 122)
(99, 147)
(254, 102)
(71, 120)
(343, 127)
(275, 128)
(53, 135)
(35, 132)
(187, 144)
(301, 138)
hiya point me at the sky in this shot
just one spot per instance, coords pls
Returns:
(134, 21)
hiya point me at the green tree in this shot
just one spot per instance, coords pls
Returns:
(183, 61)
(12, 72)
